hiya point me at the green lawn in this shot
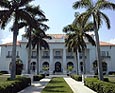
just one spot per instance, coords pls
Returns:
(57, 85)
(3, 78)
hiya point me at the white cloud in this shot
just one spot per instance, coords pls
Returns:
(112, 41)
(7, 39)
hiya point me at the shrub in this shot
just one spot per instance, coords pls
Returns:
(38, 77)
(76, 77)
(111, 73)
(100, 86)
(14, 86)
(4, 72)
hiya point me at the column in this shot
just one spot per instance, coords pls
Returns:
(51, 62)
(64, 62)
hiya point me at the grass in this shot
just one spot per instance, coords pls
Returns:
(3, 78)
(57, 85)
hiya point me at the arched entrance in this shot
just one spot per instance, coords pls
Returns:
(45, 66)
(57, 67)
(70, 66)
(95, 67)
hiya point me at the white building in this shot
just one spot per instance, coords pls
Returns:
(57, 58)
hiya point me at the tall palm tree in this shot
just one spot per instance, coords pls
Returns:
(75, 37)
(38, 39)
(37, 14)
(94, 12)
(18, 11)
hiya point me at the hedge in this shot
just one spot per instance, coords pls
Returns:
(100, 86)
(38, 77)
(76, 77)
(14, 86)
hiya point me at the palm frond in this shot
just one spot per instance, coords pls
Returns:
(89, 27)
(35, 11)
(5, 3)
(105, 5)
(82, 4)
(5, 17)
(24, 2)
(90, 39)
(106, 19)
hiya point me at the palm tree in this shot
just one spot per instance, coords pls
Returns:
(40, 18)
(75, 37)
(94, 11)
(18, 11)
(38, 39)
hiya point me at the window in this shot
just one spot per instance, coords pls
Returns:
(105, 54)
(9, 55)
(17, 54)
(34, 54)
(45, 53)
(80, 55)
(70, 55)
(57, 53)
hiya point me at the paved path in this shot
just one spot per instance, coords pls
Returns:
(76, 86)
(36, 86)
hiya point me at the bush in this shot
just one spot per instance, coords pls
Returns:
(111, 73)
(4, 72)
(38, 77)
(76, 77)
(14, 86)
(100, 86)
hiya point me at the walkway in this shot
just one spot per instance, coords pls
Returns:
(76, 86)
(36, 86)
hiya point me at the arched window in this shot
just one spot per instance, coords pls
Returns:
(70, 66)
(33, 66)
(45, 66)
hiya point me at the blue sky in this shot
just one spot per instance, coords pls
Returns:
(60, 13)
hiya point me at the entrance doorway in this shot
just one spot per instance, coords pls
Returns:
(57, 67)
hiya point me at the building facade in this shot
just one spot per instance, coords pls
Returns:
(57, 59)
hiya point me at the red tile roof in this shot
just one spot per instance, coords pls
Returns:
(10, 44)
(106, 44)
(58, 36)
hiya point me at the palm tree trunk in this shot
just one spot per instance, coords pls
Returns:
(29, 51)
(13, 69)
(77, 61)
(84, 68)
(84, 65)
(38, 59)
(99, 63)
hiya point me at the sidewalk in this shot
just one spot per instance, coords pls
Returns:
(36, 86)
(77, 87)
